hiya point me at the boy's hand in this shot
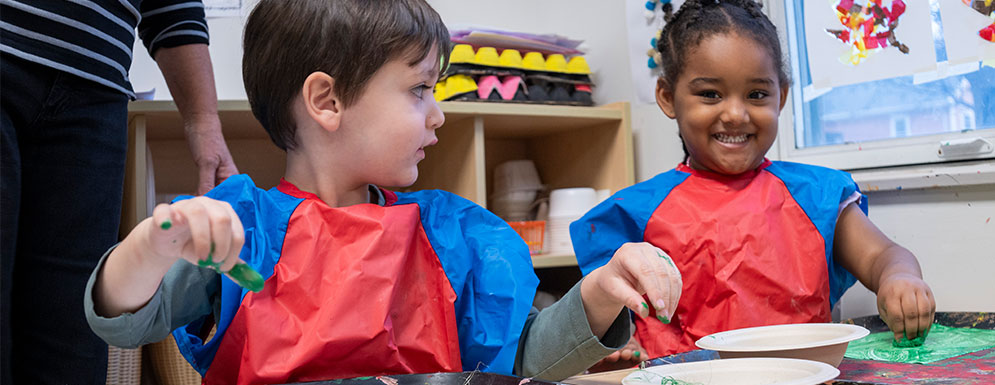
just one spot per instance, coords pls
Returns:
(634, 270)
(630, 355)
(201, 230)
(906, 304)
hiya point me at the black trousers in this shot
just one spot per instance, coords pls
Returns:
(63, 147)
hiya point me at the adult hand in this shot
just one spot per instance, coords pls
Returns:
(906, 304)
(214, 162)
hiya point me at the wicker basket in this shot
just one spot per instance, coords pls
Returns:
(168, 364)
(124, 366)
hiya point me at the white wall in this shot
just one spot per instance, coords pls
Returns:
(946, 228)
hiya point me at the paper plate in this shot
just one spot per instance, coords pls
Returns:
(739, 371)
(782, 337)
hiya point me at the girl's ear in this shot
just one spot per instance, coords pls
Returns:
(321, 102)
(665, 98)
(784, 96)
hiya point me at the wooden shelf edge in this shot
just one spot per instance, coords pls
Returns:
(541, 261)
(608, 112)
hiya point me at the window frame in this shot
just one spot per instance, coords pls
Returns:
(916, 150)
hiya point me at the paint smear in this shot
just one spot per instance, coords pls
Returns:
(943, 342)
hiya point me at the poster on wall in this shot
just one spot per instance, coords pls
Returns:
(968, 28)
(643, 25)
(854, 41)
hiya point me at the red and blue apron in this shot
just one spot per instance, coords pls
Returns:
(753, 249)
(365, 290)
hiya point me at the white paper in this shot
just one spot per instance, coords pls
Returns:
(222, 8)
(961, 24)
(640, 32)
(824, 50)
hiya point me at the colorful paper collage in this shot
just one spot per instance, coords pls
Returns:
(967, 30)
(867, 28)
(854, 41)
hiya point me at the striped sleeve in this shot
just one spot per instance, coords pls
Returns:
(172, 23)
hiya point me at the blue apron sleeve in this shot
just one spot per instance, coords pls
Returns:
(489, 266)
(264, 216)
(619, 219)
(819, 191)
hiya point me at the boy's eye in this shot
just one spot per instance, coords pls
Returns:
(419, 90)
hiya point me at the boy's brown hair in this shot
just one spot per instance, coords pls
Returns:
(287, 40)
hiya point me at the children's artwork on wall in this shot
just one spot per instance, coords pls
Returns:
(644, 20)
(853, 41)
(968, 28)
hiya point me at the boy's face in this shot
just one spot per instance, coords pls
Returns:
(726, 102)
(393, 121)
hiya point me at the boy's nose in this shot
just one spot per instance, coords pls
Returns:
(734, 114)
(435, 116)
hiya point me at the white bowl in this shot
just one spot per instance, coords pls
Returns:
(516, 175)
(571, 202)
(738, 371)
(824, 342)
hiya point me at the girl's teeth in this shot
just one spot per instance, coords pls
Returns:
(730, 139)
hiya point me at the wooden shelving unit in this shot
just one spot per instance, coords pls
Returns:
(571, 146)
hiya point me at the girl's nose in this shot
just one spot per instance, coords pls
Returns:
(734, 114)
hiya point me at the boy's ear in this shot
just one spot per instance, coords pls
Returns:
(665, 98)
(784, 96)
(320, 100)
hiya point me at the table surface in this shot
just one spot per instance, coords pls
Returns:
(968, 369)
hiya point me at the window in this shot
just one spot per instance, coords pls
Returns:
(889, 122)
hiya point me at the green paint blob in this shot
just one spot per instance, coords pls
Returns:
(246, 277)
(166, 225)
(663, 319)
(943, 343)
(635, 354)
(905, 342)
(645, 305)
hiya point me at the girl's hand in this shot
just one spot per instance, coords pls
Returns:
(201, 230)
(634, 270)
(906, 304)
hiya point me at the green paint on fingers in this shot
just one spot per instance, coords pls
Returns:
(166, 224)
(645, 305)
(663, 319)
(666, 258)
(635, 354)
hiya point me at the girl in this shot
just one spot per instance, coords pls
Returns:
(757, 242)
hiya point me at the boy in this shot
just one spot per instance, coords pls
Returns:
(358, 280)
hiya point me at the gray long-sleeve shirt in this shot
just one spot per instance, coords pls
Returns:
(556, 343)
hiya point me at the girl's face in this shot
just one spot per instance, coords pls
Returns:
(726, 102)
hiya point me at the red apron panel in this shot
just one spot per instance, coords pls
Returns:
(748, 255)
(358, 291)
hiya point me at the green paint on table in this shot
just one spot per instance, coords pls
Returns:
(943, 342)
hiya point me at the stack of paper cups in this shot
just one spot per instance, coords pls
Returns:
(565, 206)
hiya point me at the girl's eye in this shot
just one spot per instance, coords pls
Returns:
(419, 90)
(709, 94)
(758, 94)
